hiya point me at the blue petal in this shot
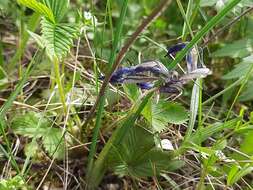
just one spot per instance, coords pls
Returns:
(175, 48)
(146, 85)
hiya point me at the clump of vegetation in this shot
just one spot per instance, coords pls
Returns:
(126, 94)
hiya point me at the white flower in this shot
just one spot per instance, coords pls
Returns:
(87, 15)
(90, 19)
(166, 144)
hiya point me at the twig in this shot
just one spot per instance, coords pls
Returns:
(155, 13)
(227, 25)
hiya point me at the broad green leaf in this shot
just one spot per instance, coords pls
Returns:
(234, 169)
(53, 142)
(34, 125)
(240, 69)
(39, 7)
(237, 49)
(3, 4)
(247, 93)
(31, 125)
(31, 149)
(58, 38)
(59, 8)
(236, 174)
(140, 158)
(101, 164)
(246, 145)
(165, 112)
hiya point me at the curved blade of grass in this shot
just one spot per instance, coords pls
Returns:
(102, 98)
(36, 58)
(203, 134)
(213, 22)
(97, 172)
(193, 109)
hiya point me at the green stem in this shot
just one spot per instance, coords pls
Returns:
(195, 11)
(59, 84)
(187, 23)
(200, 104)
(200, 185)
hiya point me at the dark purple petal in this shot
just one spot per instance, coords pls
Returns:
(169, 89)
(146, 85)
(118, 76)
(141, 69)
(175, 48)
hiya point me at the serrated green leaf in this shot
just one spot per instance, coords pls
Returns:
(140, 158)
(166, 112)
(237, 49)
(58, 38)
(31, 149)
(59, 8)
(53, 142)
(38, 7)
(240, 69)
(31, 125)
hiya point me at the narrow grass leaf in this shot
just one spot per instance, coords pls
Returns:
(193, 109)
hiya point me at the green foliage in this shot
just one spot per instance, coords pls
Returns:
(58, 8)
(240, 69)
(39, 7)
(204, 133)
(57, 37)
(15, 183)
(236, 173)
(237, 49)
(165, 112)
(140, 158)
(34, 125)
(100, 166)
